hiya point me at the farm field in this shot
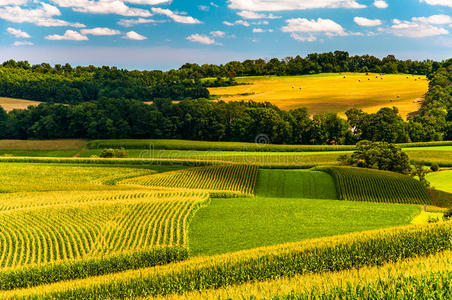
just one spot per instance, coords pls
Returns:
(331, 92)
(441, 180)
(227, 225)
(9, 104)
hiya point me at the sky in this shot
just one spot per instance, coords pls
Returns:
(165, 34)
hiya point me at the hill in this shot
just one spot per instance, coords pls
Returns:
(331, 92)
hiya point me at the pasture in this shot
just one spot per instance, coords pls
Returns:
(441, 180)
(331, 92)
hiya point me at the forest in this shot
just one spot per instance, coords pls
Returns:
(73, 85)
(203, 119)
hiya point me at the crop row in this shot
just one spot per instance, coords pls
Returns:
(358, 184)
(235, 178)
(322, 255)
(50, 233)
(411, 271)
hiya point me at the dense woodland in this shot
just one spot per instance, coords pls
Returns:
(66, 84)
(201, 119)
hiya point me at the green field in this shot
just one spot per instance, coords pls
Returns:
(228, 225)
(295, 184)
(441, 180)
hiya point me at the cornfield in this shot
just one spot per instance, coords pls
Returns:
(235, 178)
(49, 227)
(358, 184)
(332, 254)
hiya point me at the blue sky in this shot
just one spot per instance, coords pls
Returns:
(163, 34)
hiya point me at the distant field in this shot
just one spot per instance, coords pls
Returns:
(69, 144)
(441, 180)
(235, 224)
(331, 92)
(295, 184)
(9, 104)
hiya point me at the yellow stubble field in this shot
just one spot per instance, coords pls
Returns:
(331, 92)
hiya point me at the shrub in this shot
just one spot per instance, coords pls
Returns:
(110, 153)
(448, 215)
(434, 167)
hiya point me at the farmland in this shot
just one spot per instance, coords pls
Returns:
(9, 104)
(331, 92)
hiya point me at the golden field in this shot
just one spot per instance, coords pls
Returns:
(331, 92)
(9, 104)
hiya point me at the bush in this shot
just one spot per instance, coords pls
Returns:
(110, 153)
(448, 215)
(434, 167)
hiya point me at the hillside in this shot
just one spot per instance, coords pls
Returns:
(331, 92)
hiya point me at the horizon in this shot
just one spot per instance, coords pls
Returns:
(165, 34)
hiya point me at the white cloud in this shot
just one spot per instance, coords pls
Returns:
(69, 35)
(435, 19)
(12, 2)
(23, 43)
(104, 7)
(260, 30)
(204, 7)
(132, 22)
(279, 5)
(238, 22)
(41, 16)
(200, 38)
(366, 22)
(218, 33)
(132, 35)
(302, 25)
(175, 17)
(303, 38)
(380, 4)
(18, 33)
(100, 31)
(413, 29)
(246, 14)
(438, 2)
(148, 2)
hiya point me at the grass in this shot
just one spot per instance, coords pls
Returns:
(331, 92)
(243, 223)
(295, 184)
(9, 104)
(441, 180)
(40, 153)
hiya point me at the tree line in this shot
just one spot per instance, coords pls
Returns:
(234, 121)
(73, 85)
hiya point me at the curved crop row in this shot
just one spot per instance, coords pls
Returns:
(358, 184)
(102, 226)
(234, 178)
(322, 255)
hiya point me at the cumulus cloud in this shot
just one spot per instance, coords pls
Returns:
(175, 17)
(280, 5)
(201, 38)
(132, 35)
(133, 22)
(69, 35)
(23, 43)
(438, 2)
(415, 29)
(41, 16)
(303, 38)
(100, 31)
(238, 22)
(18, 33)
(12, 2)
(325, 26)
(246, 14)
(435, 19)
(103, 7)
(380, 4)
(367, 22)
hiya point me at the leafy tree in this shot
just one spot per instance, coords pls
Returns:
(378, 155)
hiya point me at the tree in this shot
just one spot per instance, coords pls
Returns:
(3, 123)
(420, 172)
(378, 155)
